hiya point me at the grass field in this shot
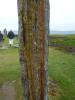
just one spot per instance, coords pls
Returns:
(61, 68)
(65, 40)
(10, 69)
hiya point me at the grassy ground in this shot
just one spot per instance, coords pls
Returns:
(65, 40)
(61, 68)
(10, 69)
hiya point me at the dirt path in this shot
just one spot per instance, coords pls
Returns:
(7, 91)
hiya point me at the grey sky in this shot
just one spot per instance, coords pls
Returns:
(8, 14)
(62, 14)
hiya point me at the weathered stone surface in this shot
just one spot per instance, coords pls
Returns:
(33, 35)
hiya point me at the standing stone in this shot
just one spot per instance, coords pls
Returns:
(33, 35)
(5, 32)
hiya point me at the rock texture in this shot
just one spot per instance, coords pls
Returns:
(33, 36)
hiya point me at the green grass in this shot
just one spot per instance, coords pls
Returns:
(10, 69)
(61, 68)
(65, 40)
(9, 64)
(69, 42)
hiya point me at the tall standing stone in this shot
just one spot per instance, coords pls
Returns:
(33, 35)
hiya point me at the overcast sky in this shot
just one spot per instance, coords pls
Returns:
(62, 15)
(8, 14)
